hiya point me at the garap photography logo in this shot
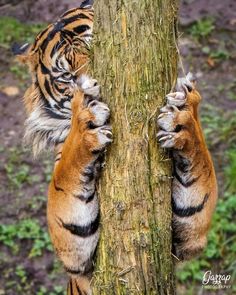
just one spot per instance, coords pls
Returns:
(216, 281)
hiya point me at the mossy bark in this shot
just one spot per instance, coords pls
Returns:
(135, 61)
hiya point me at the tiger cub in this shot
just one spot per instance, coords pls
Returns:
(194, 187)
(65, 114)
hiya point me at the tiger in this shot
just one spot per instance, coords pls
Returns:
(66, 114)
(194, 185)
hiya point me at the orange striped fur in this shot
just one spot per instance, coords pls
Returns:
(194, 188)
(65, 113)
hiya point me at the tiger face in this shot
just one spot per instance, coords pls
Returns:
(57, 60)
(58, 57)
(58, 75)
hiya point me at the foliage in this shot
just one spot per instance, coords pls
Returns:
(26, 229)
(17, 171)
(217, 54)
(231, 172)
(58, 290)
(20, 71)
(17, 176)
(212, 119)
(21, 274)
(202, 28)
(11, 30)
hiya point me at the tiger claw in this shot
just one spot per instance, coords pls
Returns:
(104, 135)
(186, 84)
(165, 138)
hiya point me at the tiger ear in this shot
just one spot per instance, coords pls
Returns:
(22, 52)
(86, 3)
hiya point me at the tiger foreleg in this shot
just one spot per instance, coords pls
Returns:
(73, 209)
(194, 187)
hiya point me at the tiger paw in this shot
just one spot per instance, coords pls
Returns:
(169, 140)
(184, 86)
(90, 87)
(100, 112)
(176, 119)
(98, 138)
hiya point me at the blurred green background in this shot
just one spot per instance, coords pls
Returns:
(208, 48)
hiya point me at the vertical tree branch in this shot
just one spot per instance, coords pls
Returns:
(135, 60)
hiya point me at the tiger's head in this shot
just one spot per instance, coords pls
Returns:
(57, 59)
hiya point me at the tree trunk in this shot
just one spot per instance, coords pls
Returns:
(135, 61)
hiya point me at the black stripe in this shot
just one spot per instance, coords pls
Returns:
(98, 151)
(53, 115)
(42, 97)
(88, 199)
(79, 16)
(72, 271)
(81, 29)
(60, 90)
(63, 100)
(187, 183)
(44, 69)
(78, 42)
(70, 20)
(189, 211)
(86, 3)
(56, 70)
(39, 36)
(182, 163)
(57, 28)
(57, 188)
(71, 286)
(87, 270)
(78, 289)
(57, 47)
(60, 142)
(83, 231)
(66, 33)
(48, 89)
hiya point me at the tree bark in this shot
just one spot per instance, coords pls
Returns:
(135, 61)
